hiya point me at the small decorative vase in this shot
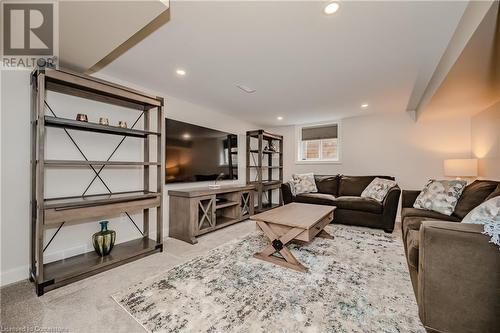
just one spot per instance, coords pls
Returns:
(103, 240)
(103, 121)
(82, 117)
(122, 124)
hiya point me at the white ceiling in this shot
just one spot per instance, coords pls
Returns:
(81, 21)
(473, 83)
(305, 66)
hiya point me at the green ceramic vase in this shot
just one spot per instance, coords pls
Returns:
(103, 240)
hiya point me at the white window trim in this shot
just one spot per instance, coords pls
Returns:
(298, 140)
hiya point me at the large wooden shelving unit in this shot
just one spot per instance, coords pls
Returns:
(55, 212)
(261, 167)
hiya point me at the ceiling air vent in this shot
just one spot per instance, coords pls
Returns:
(246, 89)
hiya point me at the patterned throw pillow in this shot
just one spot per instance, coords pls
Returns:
(291, 184)
(378, 189)
(440, 196)
(488, 214)
(304, 183)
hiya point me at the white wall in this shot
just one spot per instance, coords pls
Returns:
(486, 141)
(383, 144)
(391, 144)
(15, 172)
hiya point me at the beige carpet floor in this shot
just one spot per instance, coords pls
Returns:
(86, 306)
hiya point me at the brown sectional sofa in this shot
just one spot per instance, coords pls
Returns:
(344, 192)
(454, 270)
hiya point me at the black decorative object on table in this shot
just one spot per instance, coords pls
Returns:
(277, 244)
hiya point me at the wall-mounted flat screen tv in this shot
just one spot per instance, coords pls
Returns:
(195, 153)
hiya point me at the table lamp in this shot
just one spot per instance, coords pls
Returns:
(465, 167)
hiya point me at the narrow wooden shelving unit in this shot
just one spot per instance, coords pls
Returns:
(265, 167)
(55, 212)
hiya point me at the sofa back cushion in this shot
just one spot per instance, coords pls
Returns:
(473, 195)
(494, 194)
(328, 184)
(354, 185)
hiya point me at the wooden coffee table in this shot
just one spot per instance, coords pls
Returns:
(295, 221)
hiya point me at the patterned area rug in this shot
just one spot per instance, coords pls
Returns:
(357, 282)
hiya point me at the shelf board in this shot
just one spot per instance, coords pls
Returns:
(267, 185)
(265, 135)
(268, 152)
(71, 83)
(61, 163)
(226, 204)
(97, 199)
(96, 207)
(90, 262)
(266, 207)
(265, 167)
(94, 127)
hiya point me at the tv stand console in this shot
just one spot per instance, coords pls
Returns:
(197, 211)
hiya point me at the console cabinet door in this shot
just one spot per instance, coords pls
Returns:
(205, 214)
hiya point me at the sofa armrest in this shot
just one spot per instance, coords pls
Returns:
(458, 278)
(408, 198)
(286, 193)
(390, 208)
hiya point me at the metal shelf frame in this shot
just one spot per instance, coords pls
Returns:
(53, 212)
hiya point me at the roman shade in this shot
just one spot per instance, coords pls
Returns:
(320, 132)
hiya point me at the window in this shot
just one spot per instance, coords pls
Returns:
(318, 143)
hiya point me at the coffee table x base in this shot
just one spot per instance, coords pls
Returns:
(278, 245)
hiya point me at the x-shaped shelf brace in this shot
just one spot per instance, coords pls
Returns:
(245, 197)
(97, 172)
(207, 214)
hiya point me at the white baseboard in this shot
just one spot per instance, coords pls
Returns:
(14, 275)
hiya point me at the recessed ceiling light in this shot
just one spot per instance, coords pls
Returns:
(331, 8)
(279, 118)
(180, 72)
(186, 136)
(364, 106)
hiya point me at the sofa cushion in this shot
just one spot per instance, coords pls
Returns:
(354, 185)
(412, 243)
(406, 212)
(358, 203)
(473, 195)
(328, 184)
(494, 194)
(412, 221)
(316, 198)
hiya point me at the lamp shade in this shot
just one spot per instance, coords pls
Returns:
(466, 167)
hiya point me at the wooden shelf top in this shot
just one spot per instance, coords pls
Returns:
(266, 135)
(202, 191)
(87, 262)
(226, 204)
(94, 127)
(267, 152)
(75, 84)
(267, 183)
(265, 207)
(265, 167)
(70, 163)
